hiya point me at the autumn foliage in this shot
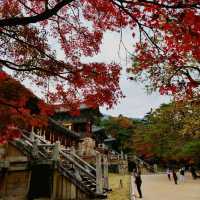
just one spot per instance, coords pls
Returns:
(47, 41)
(19, 108)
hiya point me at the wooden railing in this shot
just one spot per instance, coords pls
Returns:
(117, 156)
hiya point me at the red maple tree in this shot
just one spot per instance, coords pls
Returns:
(35, 33)
(19, 109)
(167, 55)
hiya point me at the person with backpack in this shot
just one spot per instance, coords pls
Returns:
(138, 182)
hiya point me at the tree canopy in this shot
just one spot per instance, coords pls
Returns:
(171, 132)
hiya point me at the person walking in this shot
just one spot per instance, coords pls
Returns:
(138, 182)
(193, 172)
(168, 174)
(182, 174)
(175, 176)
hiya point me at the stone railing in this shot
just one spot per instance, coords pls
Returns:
(70, 164)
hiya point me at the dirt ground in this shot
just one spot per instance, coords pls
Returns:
(158, 187)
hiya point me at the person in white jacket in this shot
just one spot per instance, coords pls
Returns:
(182, 174)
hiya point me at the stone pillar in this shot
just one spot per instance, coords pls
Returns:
(122, 155)
(125, 157)
(56, 150)
(32, 135)
(39, 132)
(99, 186)
(77, 174)
(105, 173)
(155, 168)
(44, 134)
(73, 150)
(119, 168)
(35, 150)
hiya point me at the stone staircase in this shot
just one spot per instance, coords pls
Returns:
(68, 164)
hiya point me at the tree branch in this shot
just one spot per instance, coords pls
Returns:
(16, 21)
(67, 66)
(178, 5)
(28, 68)
(140, 26)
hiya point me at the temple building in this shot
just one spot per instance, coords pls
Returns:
(93, 139)
(70, 156)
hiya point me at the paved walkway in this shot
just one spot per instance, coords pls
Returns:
(158, 187)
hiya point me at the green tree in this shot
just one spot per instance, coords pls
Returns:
(120, 128)
(170, 132)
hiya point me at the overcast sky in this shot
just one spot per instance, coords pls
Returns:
(137, 103)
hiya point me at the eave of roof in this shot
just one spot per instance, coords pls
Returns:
(64, 130)
(109, 140)
(97, 129)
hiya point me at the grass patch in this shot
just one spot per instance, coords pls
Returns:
(119, 193)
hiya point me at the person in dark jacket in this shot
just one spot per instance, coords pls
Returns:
(193, 172)
(174, 176)
(138, 182)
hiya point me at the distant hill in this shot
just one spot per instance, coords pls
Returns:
(105, 116)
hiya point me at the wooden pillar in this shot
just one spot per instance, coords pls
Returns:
(64, 190)
(54, 189)
(99, 187)
(29, 181)
(60, 186)
(50, 137)
(88, 129)
(55, 137)
(65, 142)
(73, 192)
(62, 140)
(68, 189)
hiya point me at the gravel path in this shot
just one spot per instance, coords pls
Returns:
(158, 187)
